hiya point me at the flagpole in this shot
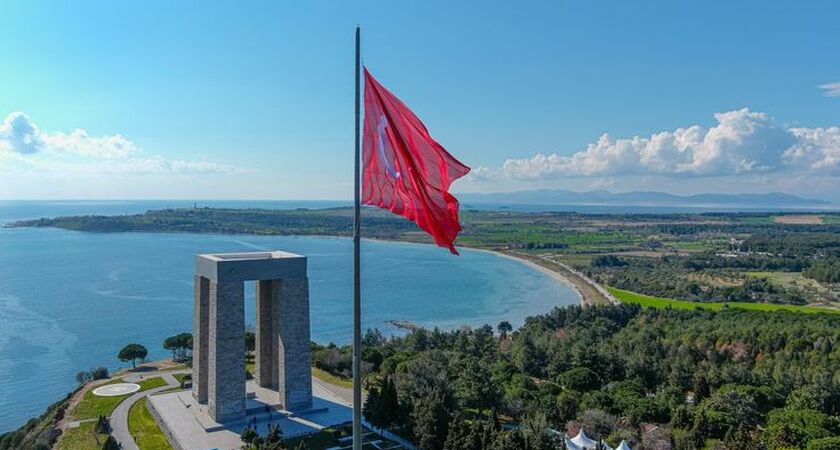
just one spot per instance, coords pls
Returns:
(357, 289)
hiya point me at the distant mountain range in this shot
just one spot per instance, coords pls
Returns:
(642, 198)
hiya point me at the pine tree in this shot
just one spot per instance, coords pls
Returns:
(431, 421)
(111, 444)
(463, 435)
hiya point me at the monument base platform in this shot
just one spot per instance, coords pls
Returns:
(188, 426)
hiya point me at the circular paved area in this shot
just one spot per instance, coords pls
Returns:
(113, 390)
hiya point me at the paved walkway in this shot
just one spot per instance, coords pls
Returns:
(119, 418)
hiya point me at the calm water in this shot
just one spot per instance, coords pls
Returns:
(69, 301)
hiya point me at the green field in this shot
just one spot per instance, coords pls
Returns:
(658, 302)
(144, 429)
(81, 438)
(327, 377)
(92, 406)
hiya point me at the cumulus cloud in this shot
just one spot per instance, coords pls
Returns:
(742, 142)
(19, 135)
(831, 89)
(21, 140)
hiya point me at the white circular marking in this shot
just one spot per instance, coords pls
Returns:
(116, 389)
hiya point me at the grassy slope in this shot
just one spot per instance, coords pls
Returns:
(92, 406)
(81, 438)
(658, 302)
(144, 429)
(331, 379)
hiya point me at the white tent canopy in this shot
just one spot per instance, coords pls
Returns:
(584, 441)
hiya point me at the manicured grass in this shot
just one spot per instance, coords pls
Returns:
(322, 375)
(81, 438)
(144, 429)
(92, 406)
(331, 379)
(658, 302)
(180, 376)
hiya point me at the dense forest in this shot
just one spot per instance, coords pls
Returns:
(659, 379)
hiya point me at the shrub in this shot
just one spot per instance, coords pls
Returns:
(99, 373)
(829, 443)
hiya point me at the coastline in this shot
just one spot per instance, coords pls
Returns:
(590, 293)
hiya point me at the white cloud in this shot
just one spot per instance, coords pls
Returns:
(77, 152)
(19, 135)
(79, 142)
(742, 142)
(831, 89)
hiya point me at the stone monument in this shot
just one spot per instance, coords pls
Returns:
(283, 360)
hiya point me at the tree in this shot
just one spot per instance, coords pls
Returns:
(272, 441)
(111, 444)
(83, 377)
(473, 386)
(829, 443)
(567, 405)
(796, 428)
(534, 430)
(250, 341)
(178, 345)
(98, 373)
(504, 328)
(431, 421)
(579, 379)
(382, 406)
(250, 438)
(103, 426)
(132, 352)
(463, 435)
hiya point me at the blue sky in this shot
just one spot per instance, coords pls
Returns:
(208, 99)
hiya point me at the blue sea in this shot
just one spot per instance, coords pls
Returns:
(70, 300)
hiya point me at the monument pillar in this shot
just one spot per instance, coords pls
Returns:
(201, 322)
(266, 342)
(226, 365)
(293, 340)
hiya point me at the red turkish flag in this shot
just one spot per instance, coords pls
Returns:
(405, 170)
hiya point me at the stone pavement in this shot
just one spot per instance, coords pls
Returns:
(188, 424)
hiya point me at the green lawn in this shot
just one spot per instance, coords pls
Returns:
(658, 302)
(92, 406)
(81, 438)
(332, 379)
(144, 429)
(180, 376)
